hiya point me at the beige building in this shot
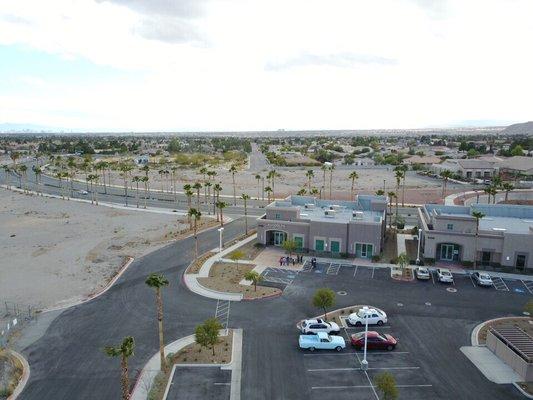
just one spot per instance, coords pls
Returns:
(505, 234)
(330, 227)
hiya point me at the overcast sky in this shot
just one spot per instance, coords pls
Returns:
(265, 64)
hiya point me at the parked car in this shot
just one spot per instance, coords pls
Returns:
(312, 326)
(422, 273)
(482, 279)
(374, 341)
(84, 192)
(375, 317)
(321, 341)
(444, 275)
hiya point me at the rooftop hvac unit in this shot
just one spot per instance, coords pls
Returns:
(309, 206)
(329, 213)
(357, 214)
(335, 207)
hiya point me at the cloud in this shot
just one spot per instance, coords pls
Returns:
(169, 30)
(339, 60)
(179, 8)
(14, 19)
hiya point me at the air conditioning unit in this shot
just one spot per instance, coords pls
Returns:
(330, 213)
(309, 206)
(335, 207)
(357, 215)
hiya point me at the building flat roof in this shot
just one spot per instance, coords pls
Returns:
(343, 211)
(517, 339)
(498, 217)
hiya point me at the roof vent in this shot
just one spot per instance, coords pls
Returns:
(357, 214)
(330, 213)
(310, 206)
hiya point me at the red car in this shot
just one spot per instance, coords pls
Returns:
(374, 341)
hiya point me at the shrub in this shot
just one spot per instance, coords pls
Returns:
(376, 258)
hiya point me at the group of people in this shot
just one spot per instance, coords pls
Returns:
(286, 261)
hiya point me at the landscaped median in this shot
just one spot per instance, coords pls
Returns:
(14, 372)
(340, 315)
(215, 276)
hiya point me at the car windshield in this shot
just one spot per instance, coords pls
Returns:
(484, 276)
(423, 270)
(447, 273)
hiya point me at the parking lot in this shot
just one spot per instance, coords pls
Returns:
(344, 272)
(333, 375)
(199, 383)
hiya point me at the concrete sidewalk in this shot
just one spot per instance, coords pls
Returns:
(490, 365)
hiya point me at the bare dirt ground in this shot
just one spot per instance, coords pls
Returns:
(196, 354)
(55, 251)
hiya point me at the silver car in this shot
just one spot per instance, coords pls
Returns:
(482, 279)
(422, 273)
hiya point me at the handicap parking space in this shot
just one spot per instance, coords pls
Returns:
(200, 383)
(278, 277)
(517, 286)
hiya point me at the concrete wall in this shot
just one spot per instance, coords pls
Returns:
(508, 356)
(459, 224)
(285, 214)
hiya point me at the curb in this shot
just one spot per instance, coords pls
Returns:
(25, 375)
(477, 328)
(129, 260)
(516, 385)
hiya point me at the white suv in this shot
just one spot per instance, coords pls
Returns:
(375, 317)
(444, 275)
(313, 326)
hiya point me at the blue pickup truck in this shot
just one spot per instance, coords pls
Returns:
(321, 341)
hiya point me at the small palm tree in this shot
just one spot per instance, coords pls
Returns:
(144, 180)
(477, 215)
(301, 192)
(268, 191)
(380, 192)
(137, 179)
(314, 191)
(207, 187)
(309, 174)
(197, 186)
(254, 277)
(258, 178)
(195, 216)
(233, 170)
(399, 176)
(216, 197)
(331, 169)
(158, 281)
(324, 168)
(124, 351)
(353, 176)
(221, 205)
(392, 196)
(507, 187)
(245, 199)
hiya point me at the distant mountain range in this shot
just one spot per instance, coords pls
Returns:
(29, 128)
(525, 128)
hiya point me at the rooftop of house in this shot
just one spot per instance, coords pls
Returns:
(498, 217)
(339, 211)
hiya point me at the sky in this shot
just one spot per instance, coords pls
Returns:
(242, 65)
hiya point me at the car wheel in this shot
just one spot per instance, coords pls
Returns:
(338, 348)
(380, 322)
(389, 347)
(311, 349)
(358, 323)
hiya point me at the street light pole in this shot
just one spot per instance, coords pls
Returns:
(420, 232)
(364, 363)
(220, 230)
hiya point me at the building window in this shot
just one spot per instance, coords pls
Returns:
(363, 250)
(319, 245)
(449, 227)
(335, 246)
(278, 216)
(299, 242)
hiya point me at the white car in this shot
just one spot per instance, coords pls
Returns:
(375, 317)
(482, 279)
(83, 192)
(422, 273)
(313, 326)
(444, 275)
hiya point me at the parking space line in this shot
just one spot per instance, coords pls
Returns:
(380, 368)
(433, 278)
(499, 284)
(365, 387)
(222, 383)
(372, 385)
(373, 269)
(351, 353)
(333, 369)
(355, 272)
(333, 269)
(472, 280)
(530, 287)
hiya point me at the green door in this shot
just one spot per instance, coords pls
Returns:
(319, 245)
(299, 242)
(335, 246)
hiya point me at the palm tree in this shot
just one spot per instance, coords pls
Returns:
(233, 170)
(38, 175)
(314, 191)
(189, 193)
(404, 169)
(216, 196)
(488, 192)
(207, 186)
(59, 176)
(23, 172)
(398, 175)
(508, 187)
(91, 178)
(197, 186)
(324, 168)
(446, 174)
(391, 195)
(102, 166)
(137, 179)
(272, 175)
(86, 166)
(174, 170)
(380, 192)
(245, 199)
(302, 192)
(477, 215)
(124, 351)
(221, 205)
(258, 178)
(158, 281)
(195, 215)
(331, 168)
(125, 169)
(353, 176)
(14, 155)
(7, 171)
(161, 172)
(268, 191)
(144, 180)
(309, 174)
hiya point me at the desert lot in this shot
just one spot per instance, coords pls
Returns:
(55, 251)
